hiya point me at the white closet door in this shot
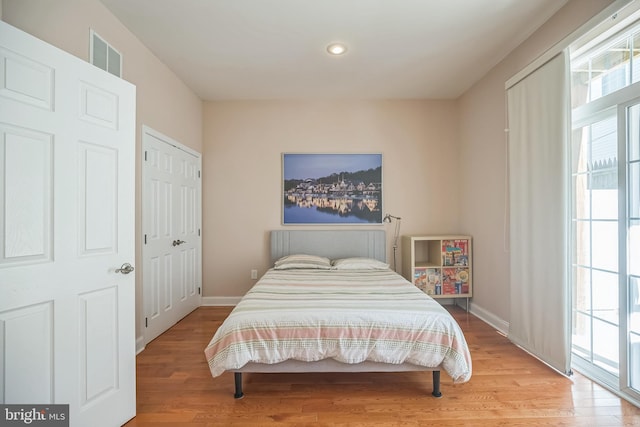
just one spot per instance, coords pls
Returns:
(171, 223)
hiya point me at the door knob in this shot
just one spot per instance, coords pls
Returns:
(125, 268)
(178, 242)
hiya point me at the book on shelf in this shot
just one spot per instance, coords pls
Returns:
(420, 278)
(455, 280)
(455, 252)
(433, 281)
(427, 279)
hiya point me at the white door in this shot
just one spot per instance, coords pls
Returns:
(67, 147)
(171, 251)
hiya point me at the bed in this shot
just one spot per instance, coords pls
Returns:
(330, 303)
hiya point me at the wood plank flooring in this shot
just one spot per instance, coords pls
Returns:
(508, 388)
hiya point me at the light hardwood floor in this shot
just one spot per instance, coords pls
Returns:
(508, 388)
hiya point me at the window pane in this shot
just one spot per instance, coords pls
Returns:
(580, 150)
(634, 190)
(634, 248)
(604, 245)
(636, 58)
(579, 83)
(633, 118)
(634, 361)
(610, 70)
(581, 195)
(582, 243)
(604, 201)
(604, 167)
(605, 296)
(606, 346)
(581, 338)
(604, 144)
(634, 304)
(582, 297)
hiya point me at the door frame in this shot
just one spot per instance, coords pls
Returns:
(147, 130)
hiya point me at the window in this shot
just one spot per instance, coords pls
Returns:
(609, 67)
(605, 210)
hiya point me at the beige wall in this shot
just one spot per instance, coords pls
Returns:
(482, 144)
(163, 101)
(444, 167)
(243, 142)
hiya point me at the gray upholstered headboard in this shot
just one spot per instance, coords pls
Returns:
(332, 244)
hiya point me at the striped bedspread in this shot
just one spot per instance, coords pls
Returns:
(350, 316)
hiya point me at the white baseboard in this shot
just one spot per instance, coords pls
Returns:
(501, 325)
(139, 345)
(220, 301)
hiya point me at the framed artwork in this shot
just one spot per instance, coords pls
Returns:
(331, 188)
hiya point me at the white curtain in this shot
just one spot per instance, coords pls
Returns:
(538, 115)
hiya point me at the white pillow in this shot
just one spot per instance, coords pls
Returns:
(359, 263)
(303, 261)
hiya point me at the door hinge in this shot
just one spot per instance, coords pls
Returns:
(198, 231)
(198, 290)
(146, 322)
(145, 155)
(198, 174)
(145, 239)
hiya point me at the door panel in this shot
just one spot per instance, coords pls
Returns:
(98, 197)
(26, 80)
(26, 156)
(98, 106)
(67, 187)
(34, 322)
(99, 336)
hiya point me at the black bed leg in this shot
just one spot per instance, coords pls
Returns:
(436, 384)
(238, 379)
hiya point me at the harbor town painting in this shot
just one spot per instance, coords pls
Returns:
(332, 188)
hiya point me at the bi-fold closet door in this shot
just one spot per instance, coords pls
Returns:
(171, 252)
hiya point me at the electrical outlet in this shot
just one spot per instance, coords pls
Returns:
(254, 274)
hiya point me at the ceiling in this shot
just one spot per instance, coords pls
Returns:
(276, 49)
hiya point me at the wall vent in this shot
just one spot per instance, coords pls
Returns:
(104, 56)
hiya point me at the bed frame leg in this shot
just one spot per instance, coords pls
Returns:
(436, 384)
(238, 380)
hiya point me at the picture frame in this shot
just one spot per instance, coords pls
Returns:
(332, 188)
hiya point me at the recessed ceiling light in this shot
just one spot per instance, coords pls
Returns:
(336, 49)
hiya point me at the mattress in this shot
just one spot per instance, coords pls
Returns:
(348, 317)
